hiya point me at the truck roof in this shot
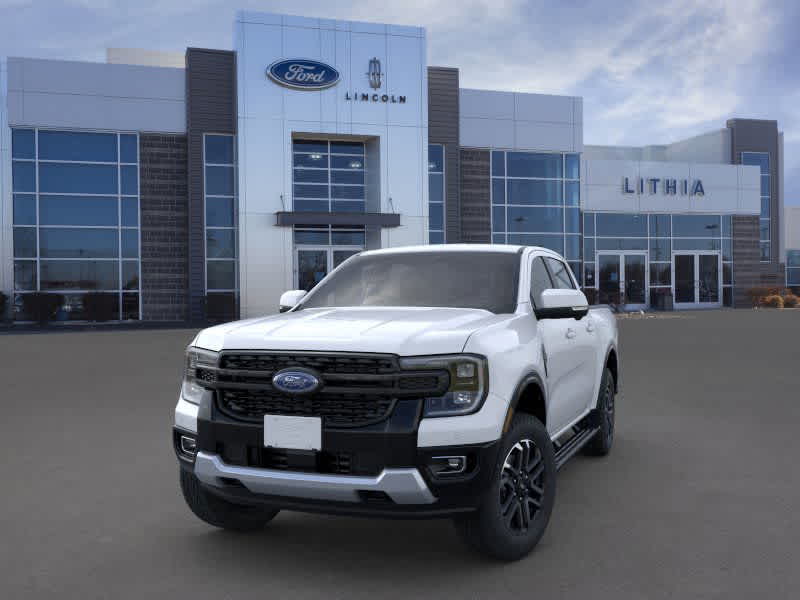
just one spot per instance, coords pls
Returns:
(438, 248)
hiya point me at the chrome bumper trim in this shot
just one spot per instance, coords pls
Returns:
(403, 486)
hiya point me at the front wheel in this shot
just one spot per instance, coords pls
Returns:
(515, 510)
(601, 443)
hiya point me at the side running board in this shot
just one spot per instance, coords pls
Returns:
(583, 435)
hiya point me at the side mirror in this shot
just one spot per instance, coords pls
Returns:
(290, 299)
(562, 304)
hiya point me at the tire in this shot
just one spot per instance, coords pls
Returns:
(500, 528)
(606, 406)
(221, 513)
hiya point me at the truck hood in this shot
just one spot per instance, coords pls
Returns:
(402, 331)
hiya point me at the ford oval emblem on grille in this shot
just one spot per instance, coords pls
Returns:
(295, 381)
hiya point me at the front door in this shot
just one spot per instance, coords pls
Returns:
(697, 279)
(622, 279)
(314, 263)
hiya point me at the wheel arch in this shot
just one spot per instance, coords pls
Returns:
(612, 363)
(529, 398)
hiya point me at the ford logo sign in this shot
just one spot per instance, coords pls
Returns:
(303, 74)
(295, 381)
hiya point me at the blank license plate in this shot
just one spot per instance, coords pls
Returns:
(293, 433)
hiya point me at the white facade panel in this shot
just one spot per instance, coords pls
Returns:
(54, 93)
(485, 104)
(271, 115)
(727, 189)
(546, 136)
(486, 133)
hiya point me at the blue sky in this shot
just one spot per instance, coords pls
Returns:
(649, 72)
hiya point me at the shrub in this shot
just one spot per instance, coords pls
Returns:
(773, 301)
(98, 306)
(41, 306)
(790, 301)
(3, 306)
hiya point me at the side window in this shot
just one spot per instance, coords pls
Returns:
(540, 280)
(562, 280)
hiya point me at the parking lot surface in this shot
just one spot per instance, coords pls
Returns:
(698, 498)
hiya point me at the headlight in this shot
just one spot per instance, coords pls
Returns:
(469, 382)
(200, 367)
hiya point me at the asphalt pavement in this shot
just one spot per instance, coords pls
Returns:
(698, 499)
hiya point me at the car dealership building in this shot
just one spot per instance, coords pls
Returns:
(203, 185)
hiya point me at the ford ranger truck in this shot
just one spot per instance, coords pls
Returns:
(432, 381)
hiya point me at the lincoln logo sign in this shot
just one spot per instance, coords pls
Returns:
(302, 74)
(667, 186)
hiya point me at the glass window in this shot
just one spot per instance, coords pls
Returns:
(219, 212)
(67, 178)
(551, 242)
(498, 163)
(727, 225)
(727, 297)
(759, 159)
(765, 250)
(621, 225)
(311, 205)
(319, 161)
(25, 242)
(573, 166)
(436, 216)
(343, 162)
(312, 237)
(78, 243)
(130, 243)
(540, 280)
(130, 212)
(436, 193)
(221, 275)
(77, 210)
(660, 226)
(588, 274)
(128, 148)
(498, 218)
(660, 249)
(23, 176)
(78, 146)
(695, 244)
(310, 146)
(575, 267)
(348, 238)
(24, 209)
(588, 224)
(572, 220)
(588, 249)
(130, 275)
(219, 181)
(220, 243)
(435, 158)
(310, 191)
(621, 243)
(219, 149)
(23, 143)
(727, 273)
(347, 192)
(559, 274)
(436, 237)
(535, 219)
(311, 175)
(531, 191)
(498, 191)
(763, 228)
(572, 191)
(130, 307)
(660, 274)
(129, 180)
(793, 258)
(727, 249)
(79, 275)
(347, 206)
(353, 177)
(347, 148)
(765, 207)
(696, 225)
(530, 164)
(765, 191)
(25, 275)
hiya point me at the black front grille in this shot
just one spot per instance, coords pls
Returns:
(336, 411)
(356, 389)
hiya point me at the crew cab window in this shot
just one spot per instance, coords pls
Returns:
(560, 274)
(540, 280)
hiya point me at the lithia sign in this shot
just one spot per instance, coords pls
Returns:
(667, 186)
(306, 74)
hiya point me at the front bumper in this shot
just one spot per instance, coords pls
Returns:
(374, 470)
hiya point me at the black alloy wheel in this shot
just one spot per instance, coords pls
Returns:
(522, 485)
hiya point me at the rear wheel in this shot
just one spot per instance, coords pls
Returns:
(601, 443)
(515, 510)
(221, 513)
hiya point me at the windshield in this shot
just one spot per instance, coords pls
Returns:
(485, 280)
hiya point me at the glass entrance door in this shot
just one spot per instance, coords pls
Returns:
(622, 279)
(697, 279)
(313, 264)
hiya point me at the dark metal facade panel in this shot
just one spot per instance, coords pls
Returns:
(210, 108)
(163, 198)
(287, 219)
(443, 128)
(746, 253)
(476, 216)
(755, 135)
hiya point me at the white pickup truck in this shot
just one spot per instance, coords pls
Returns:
(431, 381)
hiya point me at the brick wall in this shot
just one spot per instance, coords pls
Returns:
(165, 232)
(748, 271)
(443, 128)
(476, 219)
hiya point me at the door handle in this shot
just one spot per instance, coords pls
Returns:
(570, 333)
(590, 327)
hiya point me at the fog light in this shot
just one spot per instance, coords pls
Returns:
(188, 445)
(448, 465)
